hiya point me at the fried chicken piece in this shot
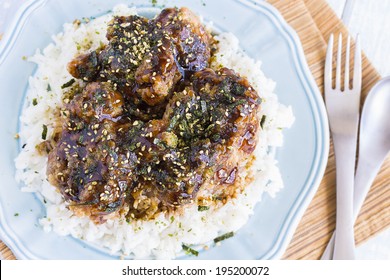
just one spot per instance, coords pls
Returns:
(97, 101)
(158, 73)
(191, 39)
(78, 164)
(215, 122)
(85, 66)
(146, 58)
(181, 47)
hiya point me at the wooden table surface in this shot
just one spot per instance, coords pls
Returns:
(314, 21)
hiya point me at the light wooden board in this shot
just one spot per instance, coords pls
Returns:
(314, 20)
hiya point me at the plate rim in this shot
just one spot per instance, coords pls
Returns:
(312, 92)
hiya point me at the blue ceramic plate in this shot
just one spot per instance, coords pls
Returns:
(263, 34)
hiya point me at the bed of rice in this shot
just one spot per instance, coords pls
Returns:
(161, 238)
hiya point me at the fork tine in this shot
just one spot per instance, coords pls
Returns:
(338, 61)
(328, 64)
(357, 72)
(346, 76)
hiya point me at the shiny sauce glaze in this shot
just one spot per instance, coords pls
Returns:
(151, 128)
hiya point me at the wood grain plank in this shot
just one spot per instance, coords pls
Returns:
(5, 252)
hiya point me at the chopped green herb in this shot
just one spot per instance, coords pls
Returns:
(24, 57)
(85, 20)
(48, 87)
(172, 219)
(188, 250)
(237, 103)
(34, 102)
(223, 237)
(16, 214)
(262, 121)
(216, 137)
(173, 122)
(68, 84)
(203, 208)
(44, 132)
(154, 2)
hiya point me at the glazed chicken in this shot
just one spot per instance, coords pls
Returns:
(146, 58)
(135, 143)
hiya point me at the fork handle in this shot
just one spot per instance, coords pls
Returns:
(345, 153)
(367, 168)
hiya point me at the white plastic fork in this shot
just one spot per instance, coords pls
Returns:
(343, 113)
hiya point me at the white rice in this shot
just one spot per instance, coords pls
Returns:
(161, 238)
